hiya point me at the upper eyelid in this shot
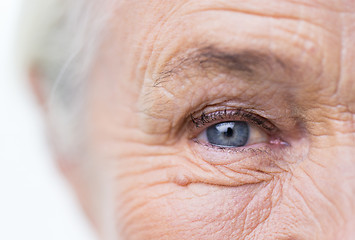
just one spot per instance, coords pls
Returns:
(233, 114)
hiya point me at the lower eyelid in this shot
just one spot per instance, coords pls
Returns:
(246, 165)
(272, 148)
(250, 148)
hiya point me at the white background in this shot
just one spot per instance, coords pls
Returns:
(35, 201)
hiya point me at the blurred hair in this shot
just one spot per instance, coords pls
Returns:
(58, 39)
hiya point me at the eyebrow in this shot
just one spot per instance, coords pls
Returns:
(245, 63)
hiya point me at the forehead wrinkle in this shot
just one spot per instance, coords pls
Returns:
(245, 64)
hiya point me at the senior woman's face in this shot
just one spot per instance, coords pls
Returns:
(223, 120)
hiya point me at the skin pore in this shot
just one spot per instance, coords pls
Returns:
(168, 70)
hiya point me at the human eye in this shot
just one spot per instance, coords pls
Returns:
(234, 129)
(232, 134)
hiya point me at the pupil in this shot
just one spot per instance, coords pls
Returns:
(229, 132)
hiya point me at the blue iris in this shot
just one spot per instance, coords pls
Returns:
(228, 134)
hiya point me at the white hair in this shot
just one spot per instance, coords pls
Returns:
(58, 39)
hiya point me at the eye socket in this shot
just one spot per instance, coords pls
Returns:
(232, 134)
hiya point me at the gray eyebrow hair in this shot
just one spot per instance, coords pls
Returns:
(246, 63)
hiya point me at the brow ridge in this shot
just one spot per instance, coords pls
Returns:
(211, 58)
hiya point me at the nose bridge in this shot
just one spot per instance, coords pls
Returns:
(332, 120)
(341, 140)
(344, 129)
(332, 148)
(345, 152)
(346, 83)
(348, 232)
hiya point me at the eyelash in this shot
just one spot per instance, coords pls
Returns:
(233, 115)
(205, 120)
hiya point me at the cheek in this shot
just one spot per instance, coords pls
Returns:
(201, 210)
(150, 204)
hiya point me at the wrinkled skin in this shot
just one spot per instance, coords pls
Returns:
(145, 176)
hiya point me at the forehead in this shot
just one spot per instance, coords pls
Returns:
(314, 37)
